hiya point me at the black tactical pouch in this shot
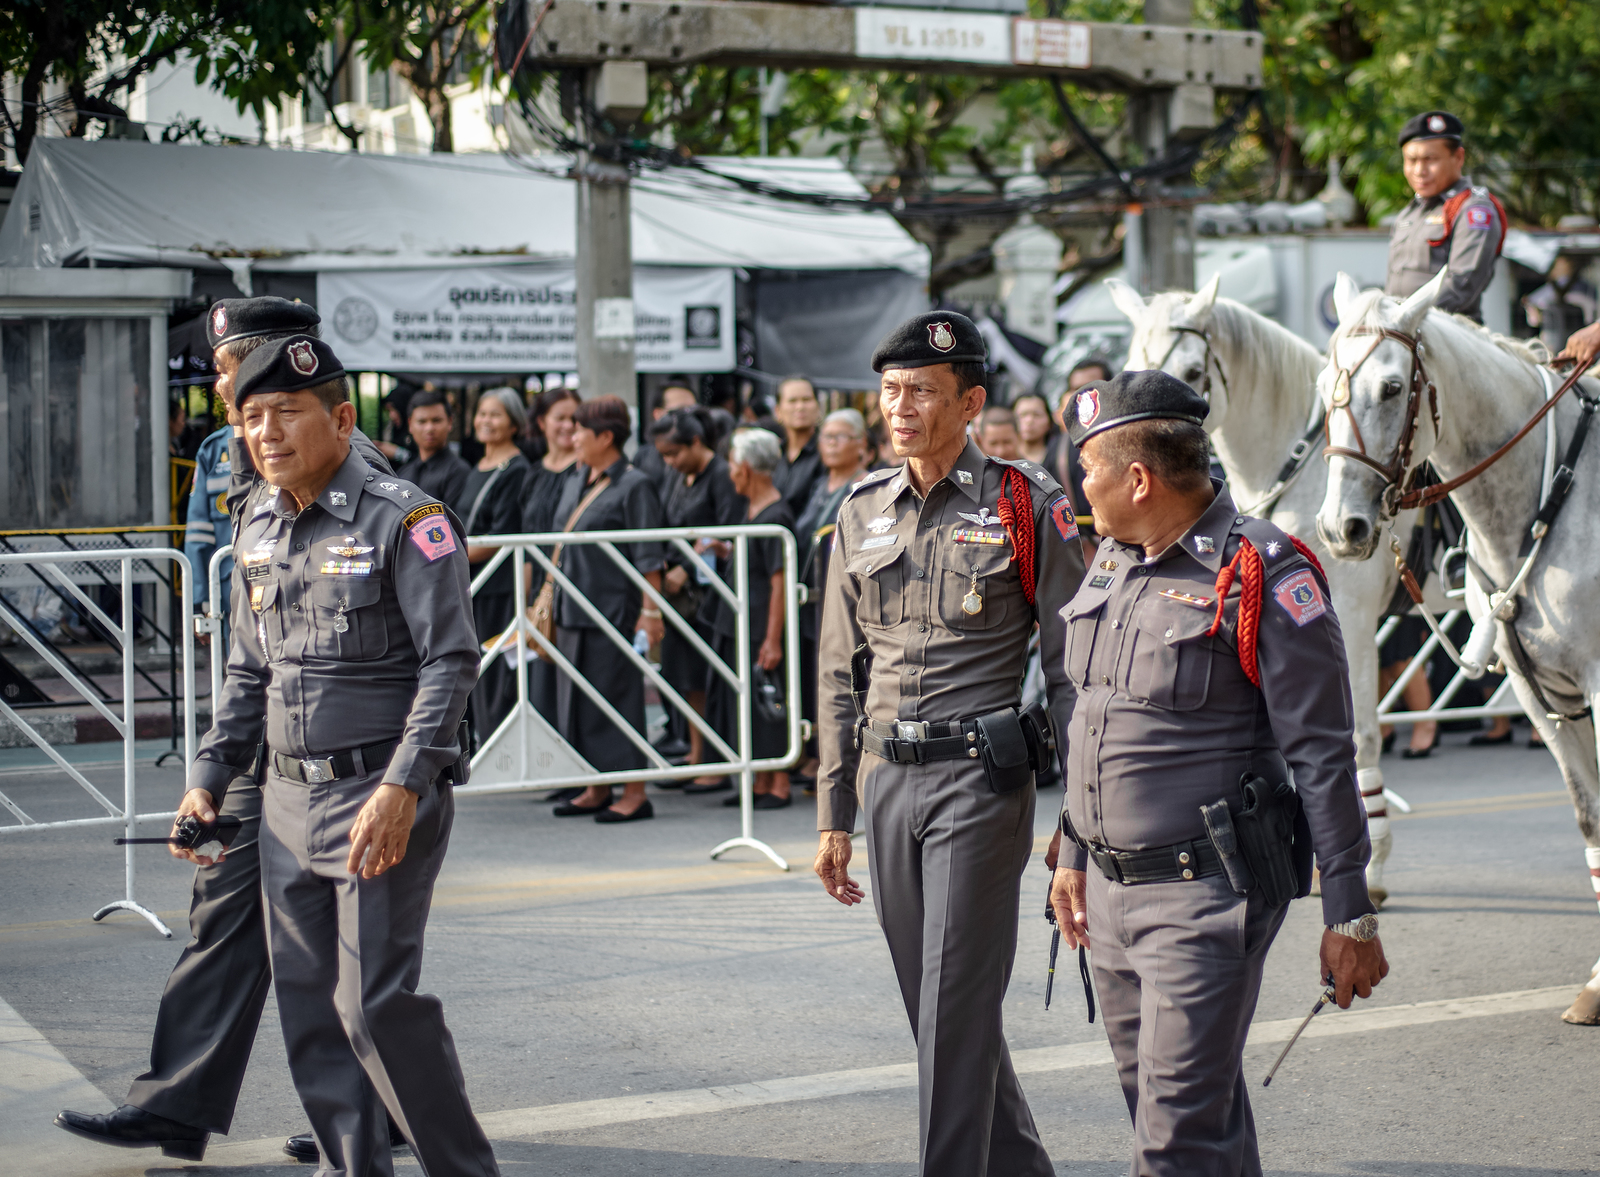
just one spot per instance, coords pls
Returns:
(1266, 832)
(1004, 749)
(1040, 734)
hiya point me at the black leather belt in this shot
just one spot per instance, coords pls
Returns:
(909, 741)
(336, 766)
(1165, 864)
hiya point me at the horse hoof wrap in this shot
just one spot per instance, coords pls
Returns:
(1585, 1011)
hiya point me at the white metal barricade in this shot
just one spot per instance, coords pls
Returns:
(127, 816)
(519, 749)
(1502, 702)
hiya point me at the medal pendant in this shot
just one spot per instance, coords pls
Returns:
(972, 603)
(341, 624)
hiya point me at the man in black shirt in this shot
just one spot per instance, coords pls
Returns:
(437, 469)
(800, 466)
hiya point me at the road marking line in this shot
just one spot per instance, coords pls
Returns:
(36, 1082)
(626, 1109)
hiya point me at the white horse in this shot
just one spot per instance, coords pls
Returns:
(1260, 379)
(1487, 388)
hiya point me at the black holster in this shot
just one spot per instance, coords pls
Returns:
(1007, 759)
(1225, 841)
(1040, 733)
(1266, 827)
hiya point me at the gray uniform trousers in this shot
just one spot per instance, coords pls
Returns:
(946, 856)
(206, 1023)
(1178, 970)
(346, 958)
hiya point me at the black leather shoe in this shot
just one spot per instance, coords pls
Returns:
(573, 809)
(303, 1148)
(131, 1127)
(610, 816)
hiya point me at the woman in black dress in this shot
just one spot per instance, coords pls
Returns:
(553, 421)
(699, 494)
(491, 504)
(751, 460)
(614, 497)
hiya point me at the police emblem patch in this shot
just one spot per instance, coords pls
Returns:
(303, 358)
(1204, 544)
(219, 321)
(940, 336)
(880, 525)
(1477, 218)
(1301, 597)
(1088, 407)
(964, 477)
(1436, 124)
(1066, 521)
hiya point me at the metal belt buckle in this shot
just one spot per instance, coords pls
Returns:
(911, 730)
(318, 771)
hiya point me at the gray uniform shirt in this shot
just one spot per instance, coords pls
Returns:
(896, 581)
(352, 626)
(1167, 721)
(1470, 250)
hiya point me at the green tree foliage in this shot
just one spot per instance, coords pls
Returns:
(431, 44)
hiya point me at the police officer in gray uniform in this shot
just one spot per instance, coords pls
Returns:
(1450, 222)
(211, 1007)
(353, 655)
(1178, 758)
(940, 570)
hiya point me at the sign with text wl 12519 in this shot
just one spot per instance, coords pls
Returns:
(518, 319)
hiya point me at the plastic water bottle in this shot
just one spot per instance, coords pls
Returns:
(641, 643)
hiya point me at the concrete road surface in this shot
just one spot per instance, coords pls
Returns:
(625, 1006)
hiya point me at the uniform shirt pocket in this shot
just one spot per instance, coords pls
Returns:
(1170, 665)
(980, 568)
(880, 578)
(347, 618)
(1083, 616)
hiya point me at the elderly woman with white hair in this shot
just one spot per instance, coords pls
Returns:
(491, 504)
(753, 456)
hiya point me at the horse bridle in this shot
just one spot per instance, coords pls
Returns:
(1205, 365)
(1393, 472)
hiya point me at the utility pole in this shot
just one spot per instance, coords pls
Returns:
(1158, 237)
(615, 94)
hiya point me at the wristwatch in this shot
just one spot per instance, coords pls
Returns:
(1363, 929)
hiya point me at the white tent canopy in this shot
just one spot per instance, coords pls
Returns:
(227, 207)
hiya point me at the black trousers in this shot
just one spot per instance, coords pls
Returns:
(211, 1007)
(581, 723)
(496, 692)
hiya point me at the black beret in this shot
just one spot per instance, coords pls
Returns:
(1133, 396)
(1435, 124)
(939, 337)
(246, 318)
(286, 365)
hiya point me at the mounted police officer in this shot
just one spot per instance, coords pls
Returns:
(1185, 839)
(1450, 222)
(940, 570)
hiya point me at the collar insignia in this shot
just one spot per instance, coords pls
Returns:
(982, 518)
(880, 525)
(348, 548)
(1204, 545)
(1109, 565)
(390, 485)
(336, 498)
(965, 477)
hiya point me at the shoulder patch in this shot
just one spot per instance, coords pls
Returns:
(1063, 516)
(421, 513)
(1300, 596)
(1478, 217)
(433, 535)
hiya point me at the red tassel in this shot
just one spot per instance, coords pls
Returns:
(1018, 522)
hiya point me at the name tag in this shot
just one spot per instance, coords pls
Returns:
(1099, 581)
(879, 541)
(966, 535)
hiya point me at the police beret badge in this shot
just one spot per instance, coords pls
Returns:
(941, 337)
(933, 337)
(1088, 406)
(219, 320)
(1436, 124)
(303, 358)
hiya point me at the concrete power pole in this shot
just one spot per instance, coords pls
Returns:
(1158, 238)
(617, 92)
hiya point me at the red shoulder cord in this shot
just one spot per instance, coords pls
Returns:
(1018, 522)
(1246, 565)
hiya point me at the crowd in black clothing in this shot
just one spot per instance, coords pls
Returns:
(694, 469)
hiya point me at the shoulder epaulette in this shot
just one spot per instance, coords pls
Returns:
(873, 478)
